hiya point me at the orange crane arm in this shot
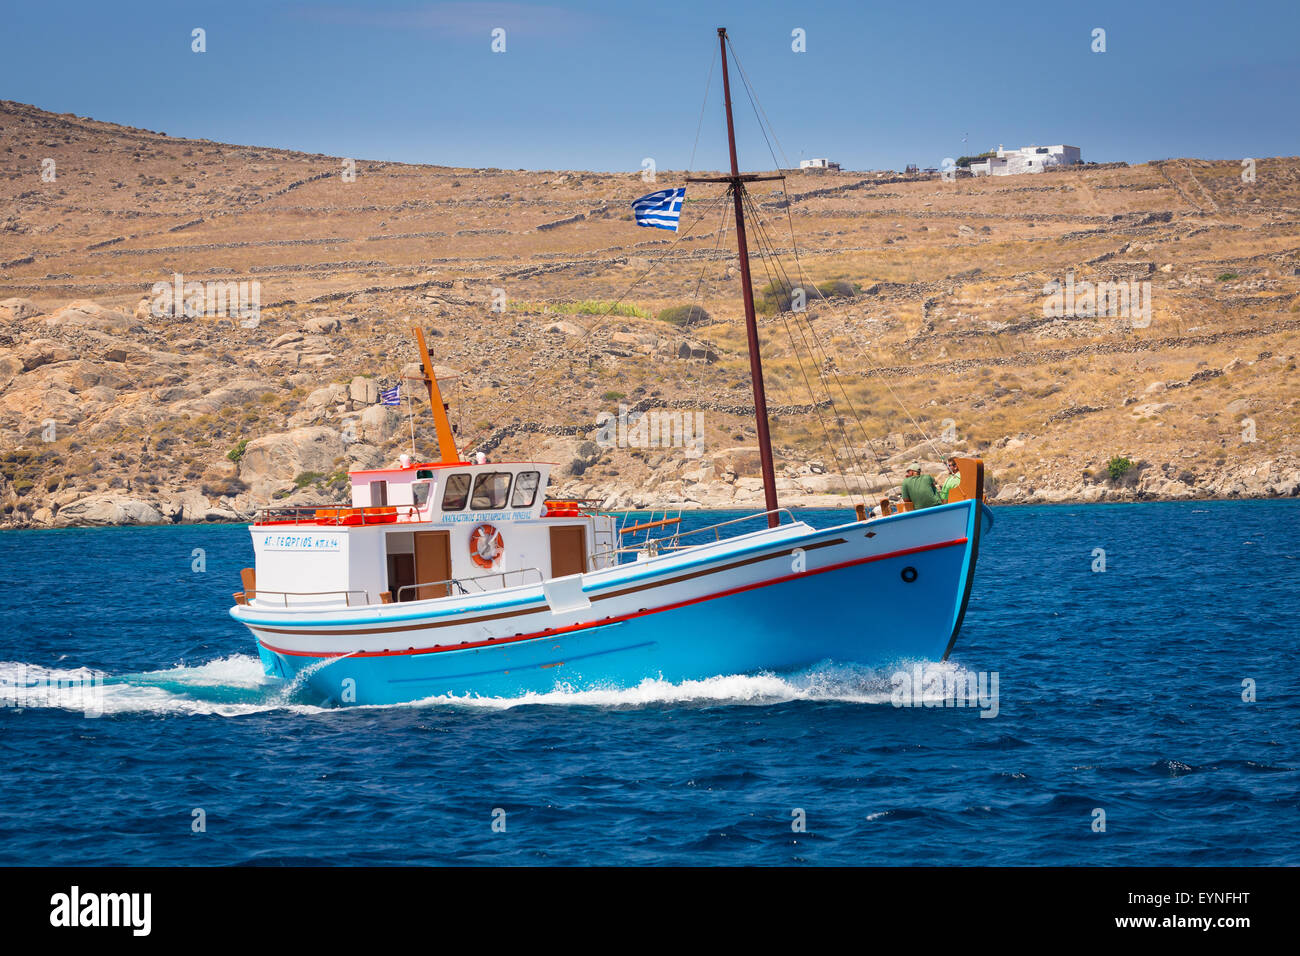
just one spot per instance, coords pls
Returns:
(446, 442)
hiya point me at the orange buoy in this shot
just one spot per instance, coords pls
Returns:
(486, 545)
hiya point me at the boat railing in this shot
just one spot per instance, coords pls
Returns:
(284, 596)
(472, 585)
(672, 542)
(326, 515)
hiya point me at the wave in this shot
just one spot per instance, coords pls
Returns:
(236, 686)
(827, 682)
(228, 687)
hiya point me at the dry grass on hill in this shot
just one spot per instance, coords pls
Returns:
(945, 332)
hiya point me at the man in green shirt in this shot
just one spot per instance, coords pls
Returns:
(951, 481)
(919, 489)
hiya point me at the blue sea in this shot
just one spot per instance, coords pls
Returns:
(1145, 714)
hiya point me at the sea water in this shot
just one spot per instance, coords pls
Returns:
(1139, 663)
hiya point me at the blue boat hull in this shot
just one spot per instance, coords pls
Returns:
(906, 607)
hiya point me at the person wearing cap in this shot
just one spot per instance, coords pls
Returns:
(950, 481)
(919, 489)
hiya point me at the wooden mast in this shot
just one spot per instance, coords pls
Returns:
(751, 322)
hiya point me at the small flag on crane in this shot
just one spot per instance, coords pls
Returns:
(662, 210)
(389, 396)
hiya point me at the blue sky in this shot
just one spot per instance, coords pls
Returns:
(589, 85)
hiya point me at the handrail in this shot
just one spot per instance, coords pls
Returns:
(461, 582)
(721, 524)
(347, 595)
(651, 524)
(674, 538)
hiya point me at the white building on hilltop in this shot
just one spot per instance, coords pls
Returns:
(817, 164)
(1026, 159)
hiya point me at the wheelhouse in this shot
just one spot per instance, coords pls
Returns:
(426, 530)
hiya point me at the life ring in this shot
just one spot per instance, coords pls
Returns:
(485, 545)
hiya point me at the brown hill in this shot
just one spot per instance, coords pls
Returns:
(110, 411)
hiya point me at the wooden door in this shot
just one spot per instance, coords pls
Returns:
(568, 550)
(432, 563)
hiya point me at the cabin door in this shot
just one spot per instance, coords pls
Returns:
(401, 574)
(568, 550)
(432, 563)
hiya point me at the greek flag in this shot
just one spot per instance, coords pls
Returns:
(662, 210)
(389, 395)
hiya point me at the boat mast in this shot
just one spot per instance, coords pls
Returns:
(747, 288)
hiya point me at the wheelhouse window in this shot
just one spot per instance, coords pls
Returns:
(378, 494)
(456, 493)
(525, 489)
(420, 493)
(491, 490)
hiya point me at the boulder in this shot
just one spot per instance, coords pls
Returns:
(286, 455)
(11, 366)
(31, 408)
(364, 391)
(108, 508)
(379, 422)
(362, 457)
(740, 461)
(189, 507)
(85, 314)
(99, 394)
(575, 455)
(1150, 409)
(696, 350)
(819, 484)
(11, 310)
(698, 472)
(335, 394)
(40, 352)
(322, 324)
(236, 392)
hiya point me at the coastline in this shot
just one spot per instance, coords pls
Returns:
(132, 515)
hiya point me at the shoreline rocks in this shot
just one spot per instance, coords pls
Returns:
(111, 510)
(267, 472)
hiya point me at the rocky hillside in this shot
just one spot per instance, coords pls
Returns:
(935, 332)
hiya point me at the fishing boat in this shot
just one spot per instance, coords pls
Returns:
(453, 577)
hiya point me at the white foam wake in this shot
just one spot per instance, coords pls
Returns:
(824, 682)
(226, 687)
(236, 685)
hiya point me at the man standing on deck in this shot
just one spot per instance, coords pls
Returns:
(919, 489)
(953, 480)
